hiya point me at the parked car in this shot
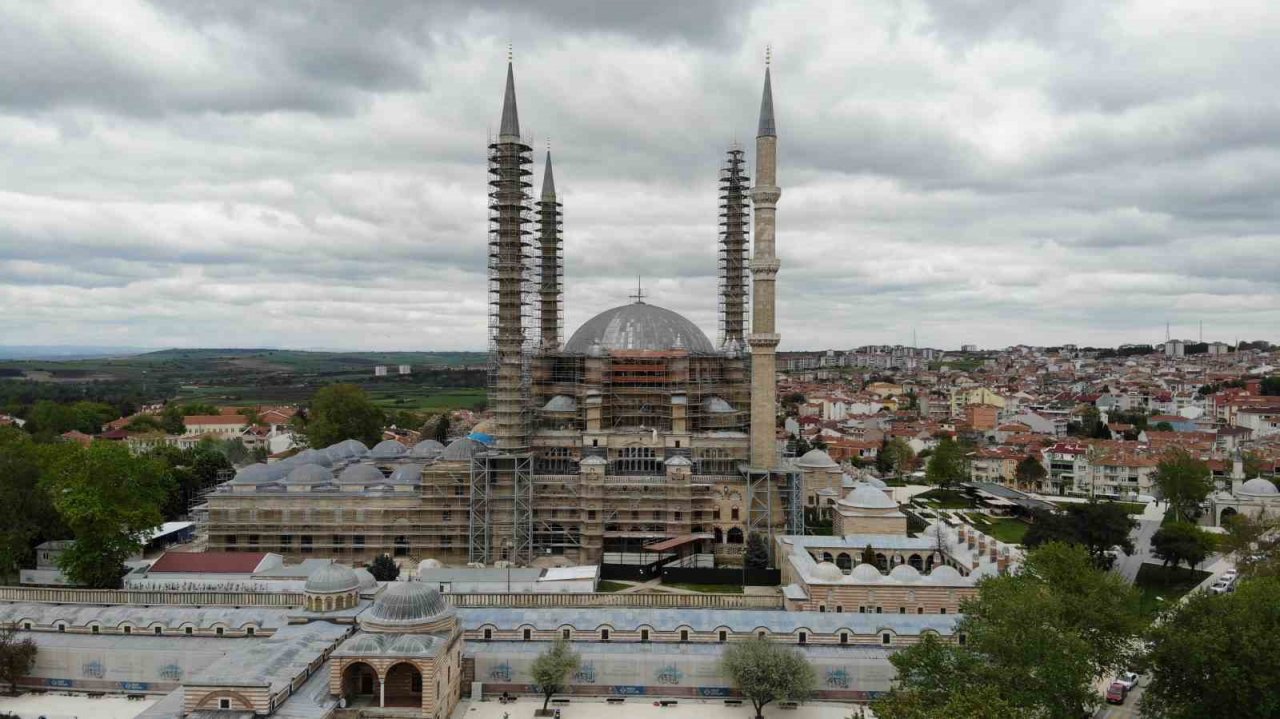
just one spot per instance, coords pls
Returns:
(1128, 679)
(1229, 575)
(1222, 586)
(1116, 693)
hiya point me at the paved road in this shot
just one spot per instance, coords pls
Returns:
(1128, 710)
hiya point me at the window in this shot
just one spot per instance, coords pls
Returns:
(219, 631)
(157, 631)
(879, 610)
(250, 631)
(591, 515)
(357, 541)
(528, 634)
(862, 609)
(919, 610)
(187, 631)
(26, 626)
(734, 514)
(224, 703)
(723, 635)
(943, 610)
(62, 627)
(306, 544)
(684, 635)
(644, 635)
(902, 610)
(803, 637)
(822, 607)
(286, 540)
(488, 634)
(844, 637)
(94, 629)
(128, 630)
(231, 540)
(595, 443)
(839, 609)
(566, 633)
(448, 516)
(760, 634)
(886, 638)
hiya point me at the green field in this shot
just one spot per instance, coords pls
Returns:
(1161, 587)
(946, 499)
(605, 585)
(706, 588)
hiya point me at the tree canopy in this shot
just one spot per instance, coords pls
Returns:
(27, 517)
(17, 656)
(1038, 639)
(895, 457)
(757, 554)
(552, 667)
(109, 499)
(1184, 482)
(1029, 470)
(1181, 542)
(947, 465)
(384, 568)
(765, 672)
(1096, 526)
(343, 411)
(1215, 656)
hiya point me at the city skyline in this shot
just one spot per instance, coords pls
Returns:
(994, 178)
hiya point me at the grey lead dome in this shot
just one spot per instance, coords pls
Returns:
(405, 604)
(639, 326)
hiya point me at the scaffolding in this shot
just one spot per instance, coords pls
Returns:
(734, 197)
(500, 516)
(510, 291)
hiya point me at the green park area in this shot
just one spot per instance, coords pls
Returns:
(1161, 587)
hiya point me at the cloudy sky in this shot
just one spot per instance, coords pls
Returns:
(312, 175)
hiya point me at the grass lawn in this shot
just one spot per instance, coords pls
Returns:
(947, 499)
(1132, 507)
(1007, 530)
(1169, 584)
(707, 588)
(607, 586)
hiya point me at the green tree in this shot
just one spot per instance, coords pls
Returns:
(1271, 386)
(869, 556)
(1039, 639)
(1184, 482)
(1163, 427)
(552, 667)
(343, 411)
(757, 556)
(442, 428)
(17, 656)
(765, 672)
(1215, 656)
(250, 415)
(193, 471)
(1181, 542)
(109, 499)
(27, 516)
(171, 419)
(384, 568)
(49, 418)
(947, 465)
(1029, 471)
(895, 457)
(145, 423)
(1095, 526)
(1254, 542)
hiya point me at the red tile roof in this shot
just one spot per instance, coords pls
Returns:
(209, 562)
(214, 419)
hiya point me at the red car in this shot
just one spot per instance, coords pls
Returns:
(1116, 693)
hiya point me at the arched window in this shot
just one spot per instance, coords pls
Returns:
(719, 536)
(735, 535)
(844, 561)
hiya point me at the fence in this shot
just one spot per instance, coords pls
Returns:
(723, 575)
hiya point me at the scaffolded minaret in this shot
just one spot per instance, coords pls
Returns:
(734, 189)
(764, 271)
(550, 263)
(509, 283)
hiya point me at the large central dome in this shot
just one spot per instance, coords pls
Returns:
(639, 326)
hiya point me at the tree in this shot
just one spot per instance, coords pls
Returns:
(946, 465)
(1214, 656)
(895, 457)
(172, 420)
(1163, 427)
(1181, 542)
(110, 500)
(869, 555)
(250, 415)
(757, 556)
(442, 428)
(27, 517)
(1095, 526)
(144, 423)
(17, 656)
(1039, 639)
(343, 411)
(765, 672)
(1184, 482)
(552, 667)
(1271, 386)
(384, 568)
(1029, 471)
(1254, 542)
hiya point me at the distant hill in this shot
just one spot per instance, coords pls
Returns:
(66, 352)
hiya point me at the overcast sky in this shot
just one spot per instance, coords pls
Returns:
(312, 175)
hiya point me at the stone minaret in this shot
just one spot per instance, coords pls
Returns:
(764, 272)
(509, 282)
(550, 266)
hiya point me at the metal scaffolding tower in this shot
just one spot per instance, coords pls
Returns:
(734, 195)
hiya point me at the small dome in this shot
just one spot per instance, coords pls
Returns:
(354, 448)
(361, 474)
(678, 461)
(716, 405)
(367, 581)
(309, 474)
(816, 459)
(338, 450)
(905, 573)
(407, 474)
(312, 456)
(461, 449)
(332, 579)
(592, 461)
(411, 645)
(865, 573)
(1258, 486)
(406, 604)
(254, 474)
(864, 496)
(943, 575)
(827, 572)
(387, 449)
(877, 483)
(427, 448)
(561, 403)
(428, 564)
(365, 644)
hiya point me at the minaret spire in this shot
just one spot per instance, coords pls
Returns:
(510, 128)
(550, 262)
(764, 271)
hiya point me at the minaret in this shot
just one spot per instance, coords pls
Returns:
(509, 284)
(764, 272)
(734, 191)
(550, 266)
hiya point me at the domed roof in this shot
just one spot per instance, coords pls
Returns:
(354, 448)
(943, 574)
(387, 449)
(816, 459)
(827, 572)
(1258, 486)
(367, 580)
(865, 573)
(717, 405)
(254, 474)
(905, 573)
(363, 644)
(877, 483)
(428, 448)
(461, 449)
(639, 326)
(864, 496)
(312, 456)
(411, 644)
(332, 579)
(678, 461)
(361, 474)
(428, 564)
(408, 474)
(309, 474)
(561, 403)
(405, 604)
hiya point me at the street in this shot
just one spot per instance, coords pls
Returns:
(1128, 710)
